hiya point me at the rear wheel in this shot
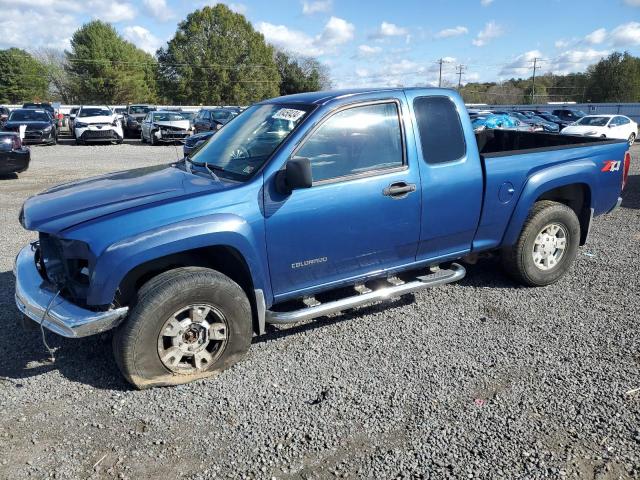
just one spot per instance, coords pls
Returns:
(142, 139)
(547, 245)
(632, 139)
(152, 138)
(186, 324)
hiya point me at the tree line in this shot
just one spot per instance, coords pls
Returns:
(615, 78)
(215, 57)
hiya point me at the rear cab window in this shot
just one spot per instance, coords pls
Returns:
(440, 130)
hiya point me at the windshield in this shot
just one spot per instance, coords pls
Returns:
(593, 121)
(95, 112)
(168, 117)
(29, 116)
(221, 114)
(189, 115)
(244, 144)
(140, 109)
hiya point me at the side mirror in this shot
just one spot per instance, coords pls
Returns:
(297, 174)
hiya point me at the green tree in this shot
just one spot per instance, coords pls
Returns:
(615, 79)
(300, 74)
(22, 77)
(105, 68)
(216, 57)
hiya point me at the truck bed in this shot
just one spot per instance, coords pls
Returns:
(496, 143)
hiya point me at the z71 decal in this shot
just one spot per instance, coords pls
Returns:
(611, 166)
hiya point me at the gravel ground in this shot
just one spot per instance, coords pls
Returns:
(480, 379)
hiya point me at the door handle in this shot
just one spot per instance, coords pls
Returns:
(399, 189)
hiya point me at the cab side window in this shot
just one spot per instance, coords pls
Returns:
(355, 141)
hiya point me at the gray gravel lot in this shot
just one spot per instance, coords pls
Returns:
(481, 379)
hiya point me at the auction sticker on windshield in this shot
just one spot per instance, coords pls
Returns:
(290, 114)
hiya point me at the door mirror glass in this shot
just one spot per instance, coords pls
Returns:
(297, 174)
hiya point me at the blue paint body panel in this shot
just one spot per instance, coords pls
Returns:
(346, 231)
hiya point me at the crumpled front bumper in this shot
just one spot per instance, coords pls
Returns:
(33, 296)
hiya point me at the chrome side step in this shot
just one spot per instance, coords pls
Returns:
(439, 277)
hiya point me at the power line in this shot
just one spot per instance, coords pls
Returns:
(459, 72)
(533, 83)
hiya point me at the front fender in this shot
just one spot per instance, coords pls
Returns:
(581, 172)
(222, 229)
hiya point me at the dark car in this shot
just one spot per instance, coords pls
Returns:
(40, 126)
(531, 119)
(549, 117)
(569, 115)
(213, 118)
(4, 114)
(41, 106)
(194, 141)
(14, 157)
(133, 118)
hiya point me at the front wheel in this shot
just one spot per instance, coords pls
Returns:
(547, 246)
(186, 324)
(632, 139)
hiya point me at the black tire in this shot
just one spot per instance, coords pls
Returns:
(142, 139)
(518, 260)
(152, 139)
(135, 343)
(632, 139)
(80, 141)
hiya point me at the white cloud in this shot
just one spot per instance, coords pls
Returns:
(368, 50)
(14, 23)
(486, 3)
(597, 36)
(111, 11)
(491, 30)
(452, 32)
(320, 6)
(633, 3)
(387, 29)
(142, 38)
(159, 9)
(627, 34)
(562, 43)
(521, 65)
(336, 32)
(574, 60)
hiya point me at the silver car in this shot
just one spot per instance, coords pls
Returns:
(164, 126)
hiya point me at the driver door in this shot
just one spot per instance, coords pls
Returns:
(352, 222)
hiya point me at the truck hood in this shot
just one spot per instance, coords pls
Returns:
(70, 204)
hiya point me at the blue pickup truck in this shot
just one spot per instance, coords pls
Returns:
(300, 207)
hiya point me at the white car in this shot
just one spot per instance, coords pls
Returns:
(164, 126)
(97, 124)
(604, 126)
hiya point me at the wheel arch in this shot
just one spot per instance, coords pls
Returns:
(571, 184)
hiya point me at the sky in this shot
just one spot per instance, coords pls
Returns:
(371, 43)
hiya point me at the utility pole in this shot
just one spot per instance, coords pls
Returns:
(459, 72)
(440, 77)
(533, 83)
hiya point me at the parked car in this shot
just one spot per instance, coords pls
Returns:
(191, 116)
(213, 118)
(40, 127)
(14, 156)
(164, 126)
(72, 116)
(605, 126)
(4, 115)
(195, 140)
(134, 117)
(301, 207)
(531, 118)
(501, 122)
(568, 115)
(41, 106)
(549, 117)
(97, 123)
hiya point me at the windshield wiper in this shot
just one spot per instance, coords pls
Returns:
(213, 175)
